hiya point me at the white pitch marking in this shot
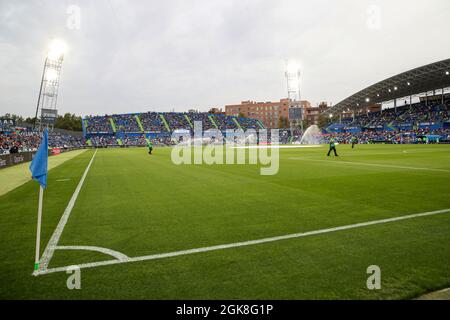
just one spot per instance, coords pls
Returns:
(53, 242)
(62, 180)
(278, 147)
(116, 254)
(244, 243)
(373, 164)
(402, 153)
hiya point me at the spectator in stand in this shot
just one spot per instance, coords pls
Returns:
(126, 123)
(152, 122)
(29, 141)
(177, 121)
(98, 124)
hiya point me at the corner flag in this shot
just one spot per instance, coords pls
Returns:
(38, 168)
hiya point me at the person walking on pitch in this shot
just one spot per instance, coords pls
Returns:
(150, 147)
(332, 148)
(353, 142)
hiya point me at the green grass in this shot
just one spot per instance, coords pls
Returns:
(142, 205)
(17, 175)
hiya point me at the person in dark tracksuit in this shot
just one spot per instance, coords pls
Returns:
(150, 147)
(332, 148)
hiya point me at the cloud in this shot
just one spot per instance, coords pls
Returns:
(133, 56)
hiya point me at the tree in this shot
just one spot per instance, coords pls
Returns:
(283, 123)
(68, 122)
(323, 121)
(14, 117)
(306, 123)
(30, 120)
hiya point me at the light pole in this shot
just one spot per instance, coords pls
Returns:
(292, 74)
(48, 90)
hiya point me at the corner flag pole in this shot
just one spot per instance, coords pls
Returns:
(38, 231)
(39, 168)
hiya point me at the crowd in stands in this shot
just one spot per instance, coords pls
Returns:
(162, 141)
(248, 123)
(99, 124)
(126, 123)
(151, 121)
(18, 142)
(177, 121)
(154, 122)
(204, 118)
(59, 140)
(414, 114)
(406, 124)
(134, 140)
(104, 141)
(285, 136)
(394, 137)
(225, 123)
(29, 141)
(373, 128)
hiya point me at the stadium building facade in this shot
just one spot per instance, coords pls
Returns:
(270, 113)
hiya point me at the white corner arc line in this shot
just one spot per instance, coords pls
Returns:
(372, 164)
(242, 244)
(53, 242)
(116, 254)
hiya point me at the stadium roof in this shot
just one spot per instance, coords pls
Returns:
(423, 79)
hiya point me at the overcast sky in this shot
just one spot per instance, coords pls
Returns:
(130, 56)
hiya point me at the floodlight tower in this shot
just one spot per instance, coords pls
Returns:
(48, 92)
(292, 74)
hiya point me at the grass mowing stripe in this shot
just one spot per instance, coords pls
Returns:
(53, 242)
(15, 176)
(244, 243)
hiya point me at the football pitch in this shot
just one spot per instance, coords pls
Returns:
(140, 227)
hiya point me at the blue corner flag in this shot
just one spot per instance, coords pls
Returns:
(38, 166)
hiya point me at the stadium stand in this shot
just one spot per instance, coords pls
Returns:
(151, 121)
(248, 123)
(176, 121)
(204, 118)
(99, 124)
(26, 141)
(406, 124)
(154, 122)
(125, 123)
(104, 141)
(418, 123)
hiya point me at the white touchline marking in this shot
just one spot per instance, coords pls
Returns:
(116, 254)
(53, 242)
(400, 153)
(277, 147)
(242, 244)
(372, 164)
